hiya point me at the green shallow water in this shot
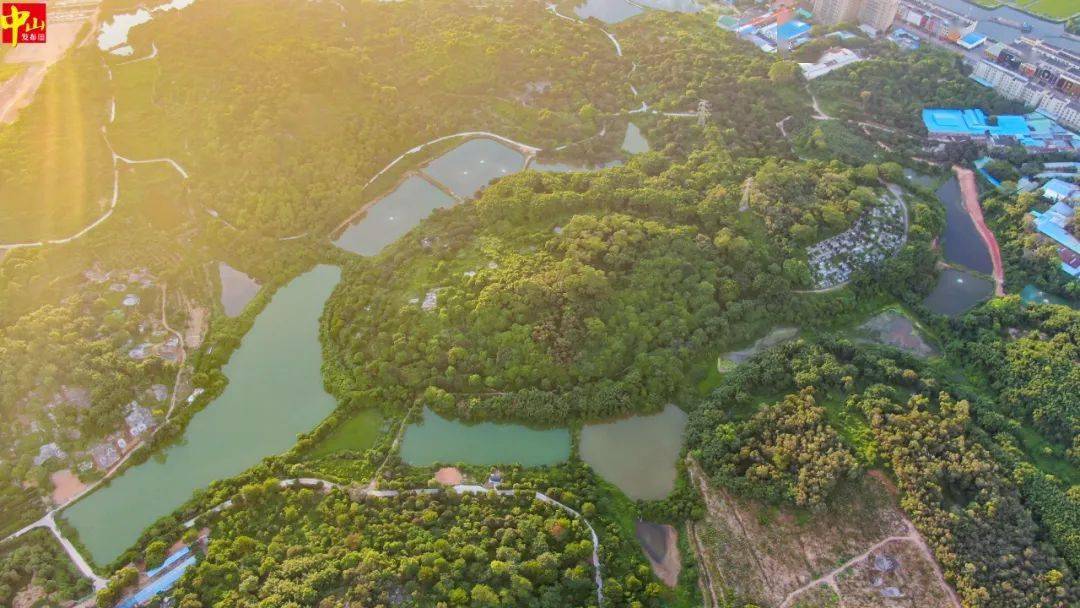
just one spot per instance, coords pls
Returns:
(275, 391)
(437, 439)
(637, 454)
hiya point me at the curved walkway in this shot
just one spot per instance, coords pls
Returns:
(116, 158)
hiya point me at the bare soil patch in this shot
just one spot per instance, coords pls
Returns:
(66, 485)
(661, 545)
(28, 597)
(763, 553)
(896, 576)
(448, 476)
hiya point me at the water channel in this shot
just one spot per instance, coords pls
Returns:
(275, 391)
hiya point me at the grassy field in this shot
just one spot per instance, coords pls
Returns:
(357, 434)
(1057, 9)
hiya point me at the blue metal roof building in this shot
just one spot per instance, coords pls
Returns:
(161, 585)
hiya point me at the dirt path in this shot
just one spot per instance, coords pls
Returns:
(180, 360)
(912, 536)
(818, 113)
(970, 194)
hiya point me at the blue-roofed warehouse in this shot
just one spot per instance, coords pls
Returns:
(1030, 130)
(160, 585)
(1052, 224)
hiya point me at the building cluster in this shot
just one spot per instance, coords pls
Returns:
(784, 28)
(1058, 223)
(1039, 75)
(935, 20)
(1036, 132)
(875, 236)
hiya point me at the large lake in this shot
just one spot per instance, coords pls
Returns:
(438, 440)
(961, 239)
(637, 454)
(275, 391)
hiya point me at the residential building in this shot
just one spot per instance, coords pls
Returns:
(105, 455)
(936, 20)
(139, 419)
(878, 14)
(48, 452)
(1054, 225)
(1060, 190)
(831, 12)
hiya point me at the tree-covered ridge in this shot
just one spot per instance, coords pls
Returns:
(55, 167)
(786, 450)
(805, 202)
(683, 59)
(315, 100)
(891, 410)
(557, 296)
(895, 87)
(293, 548)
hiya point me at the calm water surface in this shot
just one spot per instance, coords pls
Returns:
(437, 439)
(637, 454)
(608, 11)
(393, 215)
(237, 289)
(472, 165)
(958, 291)
(961, 241)
(275, 391)
(634, 142)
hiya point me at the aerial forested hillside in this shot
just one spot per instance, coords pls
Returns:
(301, 548)
(683, 60)
(895, 412)
(581, 296)
(893, 89)
(281, 140)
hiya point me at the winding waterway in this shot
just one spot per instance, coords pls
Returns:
(275, 391)
(962, 243)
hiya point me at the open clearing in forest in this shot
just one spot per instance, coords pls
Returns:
(784, 557)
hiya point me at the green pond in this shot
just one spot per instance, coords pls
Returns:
(437, 439)
(634, 142)
(275, 391)
(957, 291)
(637, 454)
(1033, 295)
